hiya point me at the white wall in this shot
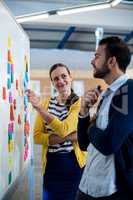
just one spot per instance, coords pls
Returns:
(43, 59)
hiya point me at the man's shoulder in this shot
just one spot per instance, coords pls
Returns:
(129, 81)
(127, 86)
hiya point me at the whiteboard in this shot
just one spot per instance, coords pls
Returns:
(14, 109)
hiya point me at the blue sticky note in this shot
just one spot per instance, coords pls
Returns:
(26, 76)
(8, 68)
(25, 84)
(12, 77)
(9, 136)
(25, 100)
(8, 83)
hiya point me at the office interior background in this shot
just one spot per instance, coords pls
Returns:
(67, 32)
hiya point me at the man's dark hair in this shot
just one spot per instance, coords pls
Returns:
(118, 48)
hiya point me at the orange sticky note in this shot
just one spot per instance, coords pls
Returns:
(16, 84)
(27, 128)
(9, 56)
(4, 93)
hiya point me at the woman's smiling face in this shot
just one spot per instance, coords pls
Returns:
(61, 80)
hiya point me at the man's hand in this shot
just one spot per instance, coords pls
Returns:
(88, 100)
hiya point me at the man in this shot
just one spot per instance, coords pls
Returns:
(108, 174)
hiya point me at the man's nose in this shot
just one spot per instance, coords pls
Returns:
(92, 61)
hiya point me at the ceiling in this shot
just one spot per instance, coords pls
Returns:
(75, 31)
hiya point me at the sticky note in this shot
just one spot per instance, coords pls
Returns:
(14, 104)
(12, 77)
(12, 61)
(8, 68)
(12, 126)
(9, 41)
(26, 152)
(9, 177)
(12, 67)
(9, 136)
(10, 129)
(19, 119)
(10, 146)
(9, 56)
(4, 93)
(25, 84)
(25, 115)
(26, 76)
(8, 83)
(10, 162)
(25, 100)
(16, 84)
(10, 97)
(27, 128)
(27, 147)
(11, 113)
(26, 66)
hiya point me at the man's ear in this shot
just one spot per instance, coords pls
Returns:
(112, 62)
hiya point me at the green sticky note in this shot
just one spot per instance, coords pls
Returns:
(9, 177)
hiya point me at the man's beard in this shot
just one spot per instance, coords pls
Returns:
(101, 73)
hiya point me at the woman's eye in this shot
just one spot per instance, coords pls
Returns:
(64, 76)
(56, 79)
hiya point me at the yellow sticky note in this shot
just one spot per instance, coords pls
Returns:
(10, 162)
(12, 61)
(10, 146)
(9, 41)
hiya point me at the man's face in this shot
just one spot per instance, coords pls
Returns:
(100, 64)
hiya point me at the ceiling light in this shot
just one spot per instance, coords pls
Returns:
(83, 9)
(115, 2)
(88, 8)
(36, 16)
(72, 10)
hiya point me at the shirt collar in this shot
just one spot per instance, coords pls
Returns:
(115, 85)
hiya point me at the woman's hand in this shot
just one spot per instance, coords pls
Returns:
(55, 139)
(72, 137)
(33, 98)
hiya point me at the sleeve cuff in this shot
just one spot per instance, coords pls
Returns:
(84, 116)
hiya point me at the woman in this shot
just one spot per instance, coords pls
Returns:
(55, 128)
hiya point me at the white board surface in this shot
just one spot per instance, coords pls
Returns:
(14, 108)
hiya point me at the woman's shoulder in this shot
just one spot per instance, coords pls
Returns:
(76, 104)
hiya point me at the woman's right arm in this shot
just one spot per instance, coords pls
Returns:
(40, 133)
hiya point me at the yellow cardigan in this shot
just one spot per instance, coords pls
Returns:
(62, 128)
